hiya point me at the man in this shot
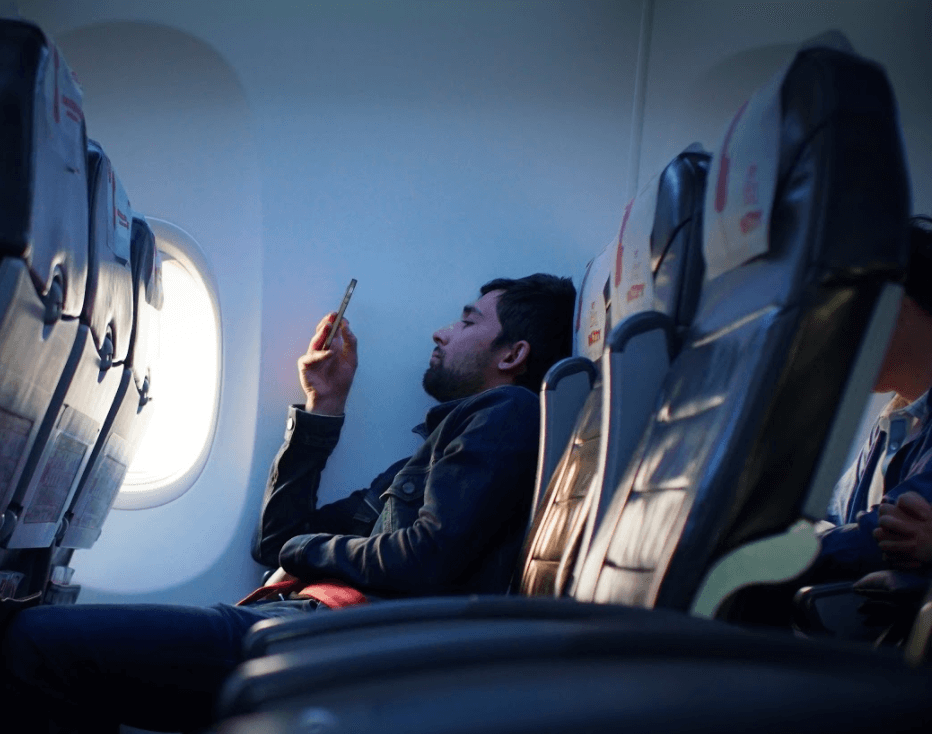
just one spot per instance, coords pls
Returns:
(448, 520)
(452, 520)
(897, 459)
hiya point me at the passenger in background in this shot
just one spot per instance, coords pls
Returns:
(450, 519)
(897, 459)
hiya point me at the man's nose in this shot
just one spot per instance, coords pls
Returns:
(442, 336)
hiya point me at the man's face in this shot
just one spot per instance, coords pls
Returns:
(463, 363)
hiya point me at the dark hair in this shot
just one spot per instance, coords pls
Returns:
(918, 284)
(538, 309)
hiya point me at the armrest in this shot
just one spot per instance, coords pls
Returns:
(865, 609)
(274, 635)
(894, 587)
(819, 608)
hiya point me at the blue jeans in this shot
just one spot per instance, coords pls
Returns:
(87, 667)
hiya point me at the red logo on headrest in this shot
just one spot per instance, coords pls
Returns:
(721, 186)
(594, 336)
(621, 249)
(751, 221)
(73, 110)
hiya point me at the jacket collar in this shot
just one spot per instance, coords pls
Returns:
(435, 416)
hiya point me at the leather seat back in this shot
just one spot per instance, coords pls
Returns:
(754, 418)
(129, 413)
(43, 246)
(86, 391)
(597, 448)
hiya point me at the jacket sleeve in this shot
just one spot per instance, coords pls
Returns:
(851, 551)
(481, 475)
(289, 506)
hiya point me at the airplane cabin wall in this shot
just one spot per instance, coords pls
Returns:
(422, 148)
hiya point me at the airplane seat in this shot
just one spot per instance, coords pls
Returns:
(86, 391)
(638, 354)
(632, 358)
(655, 670)
(562, 395)
(124, 426)
(805, 246)
(568, 383)
(676, 257)
(43, 259)
(559, 501)
(130, 412)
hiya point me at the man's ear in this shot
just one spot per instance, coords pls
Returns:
(514, 361)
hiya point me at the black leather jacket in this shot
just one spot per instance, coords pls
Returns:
(451, 519)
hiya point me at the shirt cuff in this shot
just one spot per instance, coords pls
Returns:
(312, 429)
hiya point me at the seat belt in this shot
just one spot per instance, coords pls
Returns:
(329, 592)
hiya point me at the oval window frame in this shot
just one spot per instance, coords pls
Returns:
(175, 243)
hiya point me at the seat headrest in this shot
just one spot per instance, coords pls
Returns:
(676, 242)
(109, 298)
(147, 290)
(43, 186)
(632, 284)
(592, 307)
(742, 182)
(618, 281)
(147, 262)
(798, 114)
(111, 212)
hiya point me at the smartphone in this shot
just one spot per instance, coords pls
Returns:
(336, 322)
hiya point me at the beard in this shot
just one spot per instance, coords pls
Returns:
(446, 383)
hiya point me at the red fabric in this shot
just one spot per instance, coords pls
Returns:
(334, 594)
(330, 593)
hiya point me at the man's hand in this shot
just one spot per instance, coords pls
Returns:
(327, 374)
(904, 534)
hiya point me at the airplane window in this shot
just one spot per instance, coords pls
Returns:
(185, 372)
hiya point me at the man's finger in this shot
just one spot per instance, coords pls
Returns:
(348, 336)
(312, 357)
(325, 322)
(323, 329)
(915, 504)
(896, 524)
(882, 536)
